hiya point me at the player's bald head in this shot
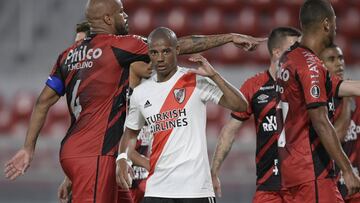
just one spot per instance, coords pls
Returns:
(97, 9)
(313, 12)
(163, 33)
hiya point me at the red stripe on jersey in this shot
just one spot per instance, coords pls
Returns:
(264, 149)
(264, 112)
(315, 143)
(325, 173)
(266, 176)
(69, 77)
(116, 117)
(120, 89)
(187, 81)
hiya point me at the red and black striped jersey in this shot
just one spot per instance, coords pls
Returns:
(351, 144)
(303, 83)
(93, 74)
(260, 92)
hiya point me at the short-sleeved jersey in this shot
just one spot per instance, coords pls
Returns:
(351, 144)
(261, 94)
(94, 75)
(303, 83)
(175, 111)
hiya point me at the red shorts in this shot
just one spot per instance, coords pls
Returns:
(93, 180)
(317, 191)
(271, 196)
(138, 192)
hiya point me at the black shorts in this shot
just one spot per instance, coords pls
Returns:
(179, 200)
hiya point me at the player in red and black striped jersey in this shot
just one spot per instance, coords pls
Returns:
(93, 73)
(308, 142)
(260, 92)
(346, 117)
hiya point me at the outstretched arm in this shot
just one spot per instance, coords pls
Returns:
(198, 43)
(223, 147)
(18, 164)
(349, 88)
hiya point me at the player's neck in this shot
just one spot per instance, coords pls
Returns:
(313, 43)
(272, 69)
(164, 78)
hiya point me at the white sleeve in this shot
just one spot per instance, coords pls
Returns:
(134, 120)
(209, 91)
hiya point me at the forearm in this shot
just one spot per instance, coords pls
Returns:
(232, 98)
(223, 147)
(349, 88)
(138, 159)
(198, 43)
(332, 145)
(37, 121)
(343, 121)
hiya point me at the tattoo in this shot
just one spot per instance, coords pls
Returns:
(198, 43)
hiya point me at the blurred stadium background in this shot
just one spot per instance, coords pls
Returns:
(34, 32)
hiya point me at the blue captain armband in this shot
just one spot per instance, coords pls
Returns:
(56, 84)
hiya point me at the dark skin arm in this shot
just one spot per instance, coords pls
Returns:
(18, 164)
(122, 178)
(198, 43)
(329, 140)
(343, 121)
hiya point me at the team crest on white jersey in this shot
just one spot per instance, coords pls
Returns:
(179, 95)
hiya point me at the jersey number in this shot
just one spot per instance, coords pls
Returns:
(75, 101)
(284, 108)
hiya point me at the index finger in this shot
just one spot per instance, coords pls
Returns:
(261, 39)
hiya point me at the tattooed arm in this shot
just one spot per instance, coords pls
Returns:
(223, 147)
(198, 43)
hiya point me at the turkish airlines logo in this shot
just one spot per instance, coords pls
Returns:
(179, 95)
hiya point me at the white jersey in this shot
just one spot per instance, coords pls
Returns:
(175, 110)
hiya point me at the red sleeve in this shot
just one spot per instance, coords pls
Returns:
(246, 90)
(312, 78)
(130, 48)
(55, 80)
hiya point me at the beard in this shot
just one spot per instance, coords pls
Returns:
(122, 29)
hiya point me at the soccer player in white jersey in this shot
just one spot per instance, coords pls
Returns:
(173, 104)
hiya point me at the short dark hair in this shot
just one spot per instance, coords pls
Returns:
(163, 32)
(83, 27)
(278, 34)
(315, 11)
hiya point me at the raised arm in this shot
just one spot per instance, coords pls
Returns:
(198, 43)
(223, 147)
(327, 135)
(349, 88)
(232, 98)
(18, 164)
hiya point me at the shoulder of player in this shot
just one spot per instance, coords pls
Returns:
(143, 87)
(257, 80)
(129, 38)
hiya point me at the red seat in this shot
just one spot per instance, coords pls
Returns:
(246, 21)
(21, 110)
(212, 21)
(177, 20)
(5, 117)
(142, 22)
